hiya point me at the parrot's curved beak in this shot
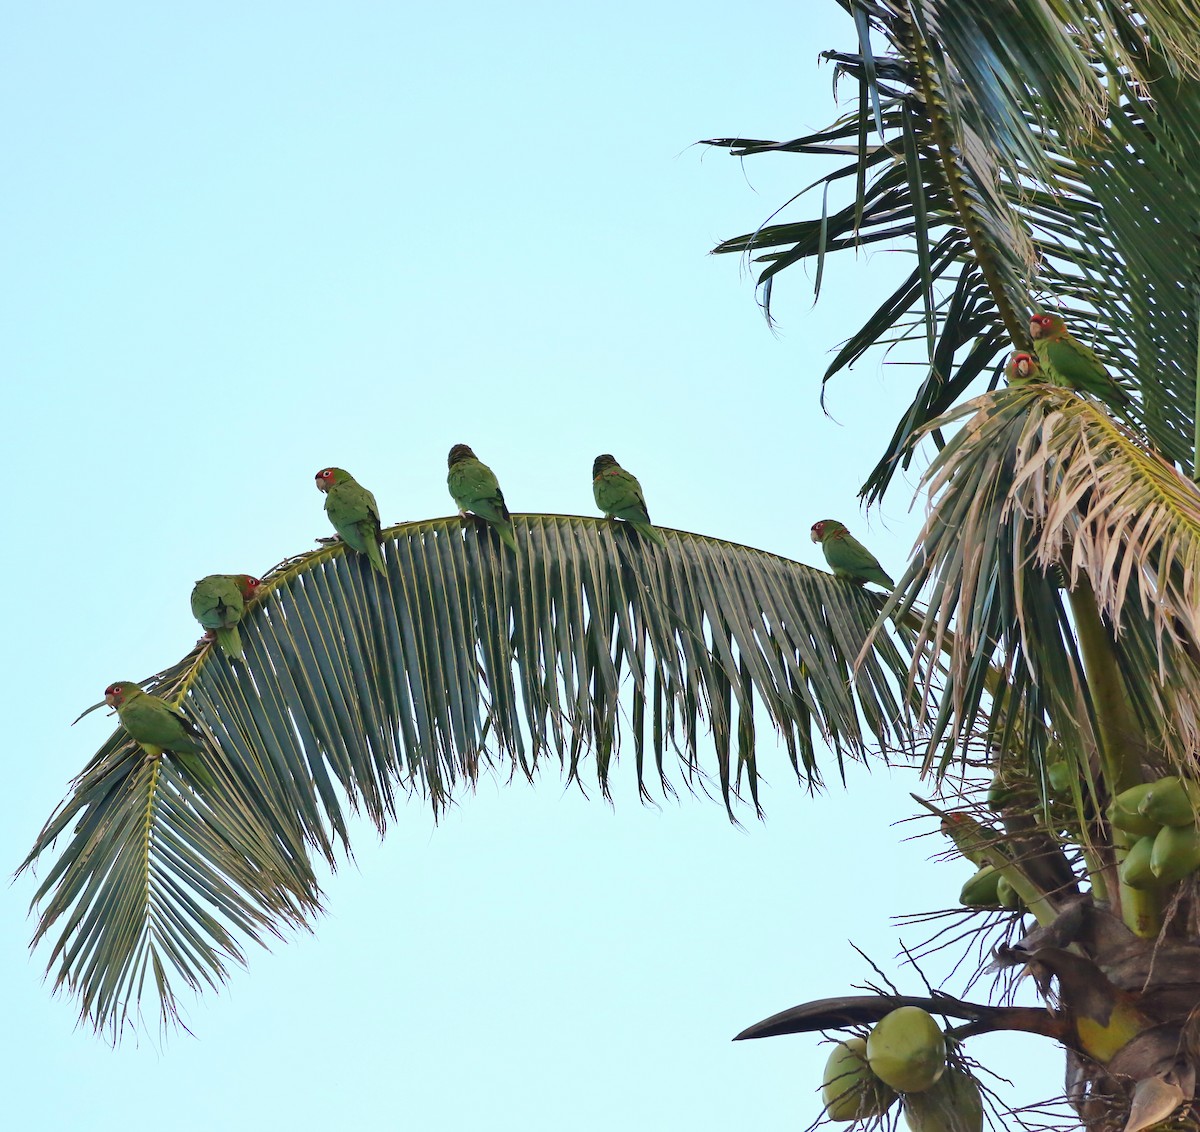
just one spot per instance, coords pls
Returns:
(322, 485)
(815, 535)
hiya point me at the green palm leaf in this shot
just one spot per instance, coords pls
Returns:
(358, 689)
(158, 882)
(1035, 154)
(1037, 485)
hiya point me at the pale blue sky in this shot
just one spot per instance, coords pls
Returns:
(247, 241)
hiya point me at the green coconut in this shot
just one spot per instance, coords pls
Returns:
(1124, 814)
(907, 1049)
(953, 1104)
(1171, 801)
(849, 1089)
(1001, 793)
(1176, 853)
(1135, 869)
(980, 890)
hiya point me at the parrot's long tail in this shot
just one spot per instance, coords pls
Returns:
(648, 531)
(193, 766)
(230, 641)
(507, 535)
(375, 555)
(1116, 397)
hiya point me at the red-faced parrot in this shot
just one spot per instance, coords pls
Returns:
(1067, 361)
(1023, 369)
(619, 495)
(474, 487)
(157, 727)
(847, 557)
(219, 603)
(353, 512)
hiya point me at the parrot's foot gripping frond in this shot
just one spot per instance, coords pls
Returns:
(329, 540)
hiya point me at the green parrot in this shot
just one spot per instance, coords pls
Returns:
(1067, 361)
(1023, 369)
(847, 556)
(353, 512)
(619, 495)
(219, 602)
(157, 727)
(474, 487)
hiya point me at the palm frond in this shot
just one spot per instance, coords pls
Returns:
(160, 879)
(1034, 154)
(1104, 505)
(359, 689)
(1037, 485)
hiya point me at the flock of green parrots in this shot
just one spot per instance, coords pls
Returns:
(220, 600)
(1063, 360)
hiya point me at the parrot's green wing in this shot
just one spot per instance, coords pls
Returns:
(355, 516)
(850, 559)
(619, 495)
(158, 727)
(151, 721)
(218, 604)
(474, 487)
(1072, 364)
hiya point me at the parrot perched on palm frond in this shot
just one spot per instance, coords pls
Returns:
(353, 512)
(157, 727)
(1067, 361)
(619, 495)
(847, 557)
(219, 602)
(474, 487)
(1023, 369)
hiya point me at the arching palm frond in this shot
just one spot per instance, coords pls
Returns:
(358, 689)
(1036, 154)
(161, 880)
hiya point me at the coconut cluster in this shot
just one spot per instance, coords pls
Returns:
(903, 1057)
(989, 888)
(1162, 816)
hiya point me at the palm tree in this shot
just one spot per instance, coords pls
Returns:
(1035, 151)
(1038, 155)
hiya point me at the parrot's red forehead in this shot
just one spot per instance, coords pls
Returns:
(1040, 323)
